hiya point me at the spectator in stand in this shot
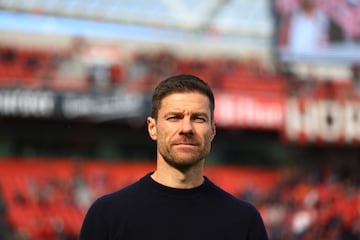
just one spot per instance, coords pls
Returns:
(72, 70)
(355, 70)
(82, 194)
(3, 227)
(176, 201)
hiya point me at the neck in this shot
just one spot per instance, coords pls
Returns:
(175, 178)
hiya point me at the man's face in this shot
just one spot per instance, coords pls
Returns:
(308, 5)
(183, 129)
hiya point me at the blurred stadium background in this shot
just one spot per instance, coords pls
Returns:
(76, 78)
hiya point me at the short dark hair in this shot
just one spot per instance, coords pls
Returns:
(180, 84)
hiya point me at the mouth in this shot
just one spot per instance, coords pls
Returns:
(185, 145)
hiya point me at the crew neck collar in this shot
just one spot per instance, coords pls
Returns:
(176, 192)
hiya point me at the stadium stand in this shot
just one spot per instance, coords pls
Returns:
(40, 68)
(47, 199)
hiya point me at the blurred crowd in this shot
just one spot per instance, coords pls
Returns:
(316, 203)
(312, 204)
(48, 199)
(84, 67)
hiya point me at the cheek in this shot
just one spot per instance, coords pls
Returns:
(163, 142)
(165, 130)
(161, 134)
(209, 138)
(208, 133)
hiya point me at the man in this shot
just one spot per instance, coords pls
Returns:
(304, 26)
(176, 201)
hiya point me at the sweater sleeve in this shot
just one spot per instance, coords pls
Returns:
(94, 224)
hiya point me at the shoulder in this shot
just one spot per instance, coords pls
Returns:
(104, 216)
(243, 214)
(231, 202)
(122, 197)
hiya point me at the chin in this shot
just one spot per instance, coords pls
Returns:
(183, 163)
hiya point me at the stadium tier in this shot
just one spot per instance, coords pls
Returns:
(47, 198)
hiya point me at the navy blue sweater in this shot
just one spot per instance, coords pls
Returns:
(149, 210)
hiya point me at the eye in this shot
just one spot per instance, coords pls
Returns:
(172, 118)
(200, 119)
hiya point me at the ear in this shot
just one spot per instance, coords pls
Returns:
(151, 122)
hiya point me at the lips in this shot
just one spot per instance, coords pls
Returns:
(186, 143)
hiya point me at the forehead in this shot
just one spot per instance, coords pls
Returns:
(183, 101)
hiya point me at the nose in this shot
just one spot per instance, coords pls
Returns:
(186, 126)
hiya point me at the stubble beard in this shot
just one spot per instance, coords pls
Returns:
(184, 163)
